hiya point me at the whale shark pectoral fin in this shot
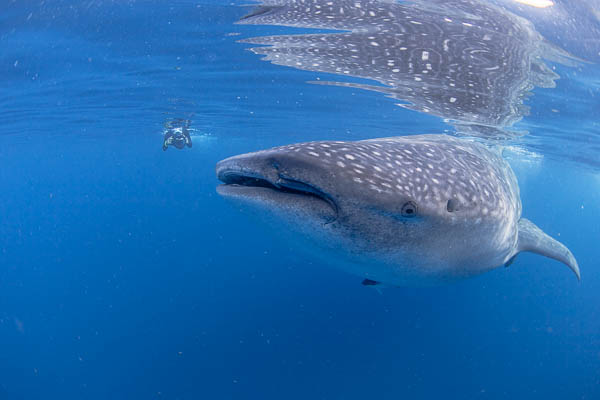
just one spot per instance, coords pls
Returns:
(533, 239)
(510, 261)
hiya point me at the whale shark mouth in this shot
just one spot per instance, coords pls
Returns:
(283, 184)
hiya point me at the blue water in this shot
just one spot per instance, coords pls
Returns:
(123, 275)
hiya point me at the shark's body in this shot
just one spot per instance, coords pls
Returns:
(414, 210)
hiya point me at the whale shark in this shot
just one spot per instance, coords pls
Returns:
(469, 62)
(416, 210)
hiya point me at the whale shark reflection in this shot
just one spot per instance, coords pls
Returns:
(466, 61)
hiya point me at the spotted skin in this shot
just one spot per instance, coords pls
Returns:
(414, 210)
(467, 61)
(425, 168)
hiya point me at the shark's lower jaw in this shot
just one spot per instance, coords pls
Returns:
(284, 192)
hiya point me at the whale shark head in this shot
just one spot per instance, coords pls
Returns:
(408, 210)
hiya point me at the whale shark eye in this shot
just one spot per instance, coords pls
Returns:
(409, 209)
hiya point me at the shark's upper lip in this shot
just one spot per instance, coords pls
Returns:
(238, 175)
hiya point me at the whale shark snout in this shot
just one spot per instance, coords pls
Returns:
(277, 179)
(415, 210)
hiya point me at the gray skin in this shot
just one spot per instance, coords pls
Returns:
(403, 211)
